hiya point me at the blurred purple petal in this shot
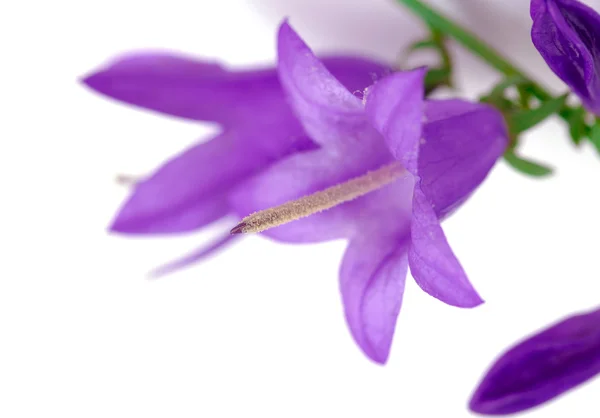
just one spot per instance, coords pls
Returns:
(567, 35)
(432, 262)
(181, 86)
(190, 190)
(200, 90)
(541, 367)
(195, 257)
(372, 280)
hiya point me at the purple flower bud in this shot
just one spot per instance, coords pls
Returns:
(541, 367)
(567, 35)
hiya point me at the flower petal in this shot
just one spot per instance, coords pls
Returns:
(542, 367)
(201, 90)
(567, 35)
(535, 7)
(395, 107)
(372, 280)
(190, 190)
(432, 262)
(184, 87)
(355, 73)
(331, 115)
(194, 257)
(461, 143)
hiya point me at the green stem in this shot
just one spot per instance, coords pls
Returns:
(438, 38)
(436, 20)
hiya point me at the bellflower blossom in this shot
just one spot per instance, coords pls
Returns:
(567, 35)
(447, 148)
(310, 132)
(542, 367)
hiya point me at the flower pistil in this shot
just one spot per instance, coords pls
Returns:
(321, 200)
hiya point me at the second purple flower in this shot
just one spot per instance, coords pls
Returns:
(567, 35)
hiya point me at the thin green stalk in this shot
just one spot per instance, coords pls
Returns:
(438, 21)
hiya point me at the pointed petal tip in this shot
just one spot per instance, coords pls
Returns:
(285, 26)
(378, 355)
(472, 302)
(125, 225)
(379, 358)
(118, 227)
(83, 79)
(155, 274)
(193, 258)
(89, 80)
(119, 223)
(376, 350)
(238, 229)
(163, 271)
(482, 406)
(477, 406)
(96, 81)
(464, 301)
(372, 278)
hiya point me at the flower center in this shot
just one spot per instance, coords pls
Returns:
(320, 201)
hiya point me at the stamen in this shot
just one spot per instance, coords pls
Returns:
(127, 179)
(320, 201)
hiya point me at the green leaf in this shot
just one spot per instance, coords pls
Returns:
(442, 24)
(528, 167)
(595, 135)
(440, 75)
(525, 95)
(502, 104)
(523, 120)
(497, 96)
(499, 88)
(437, 77)
(425, 44)
(436, 20)
(578, 129)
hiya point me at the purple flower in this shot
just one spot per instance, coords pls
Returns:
(542, 367)
(447, 148)
(302, 130)
(258, 128)
(567, 35)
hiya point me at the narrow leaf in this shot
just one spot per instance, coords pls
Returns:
(426, 44)
(437, 77)
(523, 120)
(528, 167)
(595, 135)
(499, 88)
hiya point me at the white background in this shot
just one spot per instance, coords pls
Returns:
(258, 330)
